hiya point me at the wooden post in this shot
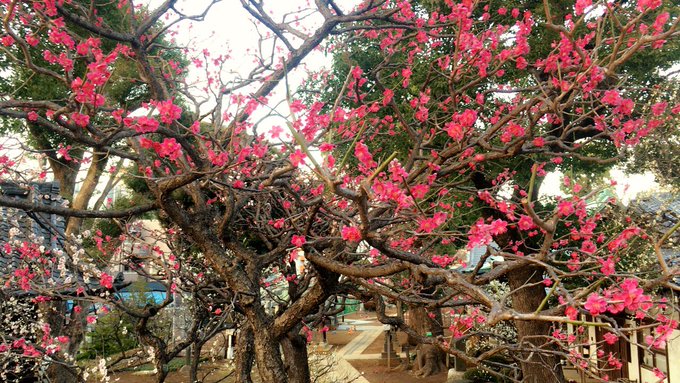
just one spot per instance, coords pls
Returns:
(389, 349)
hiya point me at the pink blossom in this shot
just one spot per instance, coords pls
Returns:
(419, 191)
(648, 5)
(631, 296)
(298, 240)
(427, 225)
(297, 158)
(80, 119)
(611, 97)
(511, 131)
(106, 280)
(168, 111)
(145, 124)
(659, 108)
(588, 247)
(595, 304)
(607, 266)
(357, 72)
(454, 130)
(571, 312)
(275, 131)
(351, 234)
(581, 5)
(468, 118)
(442, 260)
(364, 155)
(525, 223)
(610, 338)
(7, 40)
(539, 142)
(326, 147)
(565, 208)
(388, 94)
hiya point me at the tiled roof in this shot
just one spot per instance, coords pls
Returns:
(664, 209)
(661, 211)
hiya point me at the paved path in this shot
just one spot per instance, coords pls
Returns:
(344, 371)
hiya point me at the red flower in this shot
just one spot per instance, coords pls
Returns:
(610, 338)
(351, 234)
(168, 111)
(387, 96)
(298, 240)
(525, 223)
(106, 281)
(454, 130)
(80, 119)
(595, 304)
(297, 158)
(468, 118)
(565, 208)
(7, 41)
(571, 312)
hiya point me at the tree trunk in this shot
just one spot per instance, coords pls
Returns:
(430, 359)
(161, 371)
(160, 355)
(195, 360)
(295, 353)
(268, 357)
(536, 367)
(55, 314)
(87, 189)
(244, 354)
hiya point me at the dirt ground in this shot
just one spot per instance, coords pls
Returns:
(376, 347)
(336, 338)
(376, 371)
(216, 372)
(213, 373)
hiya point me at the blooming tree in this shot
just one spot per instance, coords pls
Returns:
(246, 197)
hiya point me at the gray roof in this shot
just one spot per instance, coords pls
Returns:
(661, 212)
(664, 209)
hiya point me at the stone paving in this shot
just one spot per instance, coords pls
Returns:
(370, 331)
(344, 371)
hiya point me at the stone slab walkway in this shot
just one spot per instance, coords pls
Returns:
(344, 371)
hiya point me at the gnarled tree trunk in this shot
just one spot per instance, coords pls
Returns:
(536, 367)
(430, 359)
(268, 357)
(294, 348)
(245, 352)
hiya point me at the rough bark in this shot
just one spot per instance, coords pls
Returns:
(195, 360)
(160, 356)
(430, 360)
(294, 348)
(536, 367)
(245, 351)
(268, 358)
